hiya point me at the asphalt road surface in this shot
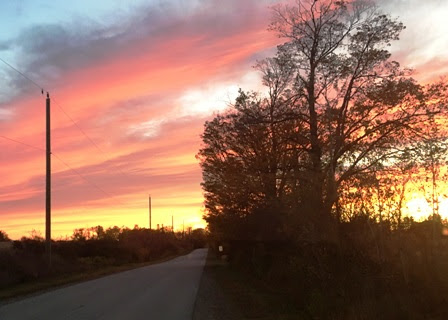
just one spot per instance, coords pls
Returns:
(161, 291)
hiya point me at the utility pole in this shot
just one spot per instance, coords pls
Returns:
(172, 223)
(149, 212)
(48, 184)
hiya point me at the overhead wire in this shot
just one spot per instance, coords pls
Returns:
(76, 124)
(117, 203)
(62, 161)
(22, 143)
(85, 134)
(70, 118)
(63, 111)
(23, 75)
(57, 104)
(80, 175)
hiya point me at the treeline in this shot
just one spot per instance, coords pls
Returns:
(307, 184)
(91, 249)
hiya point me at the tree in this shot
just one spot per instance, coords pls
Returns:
(198, 238)
(112, 233)
(4, 236)
(245, 163)
(359, 108)
(433, 155)
(337, 108)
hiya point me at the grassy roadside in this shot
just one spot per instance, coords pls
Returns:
(252, 297)
(38, 286)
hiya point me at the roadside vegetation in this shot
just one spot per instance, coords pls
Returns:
(91, 252)
(307, 185)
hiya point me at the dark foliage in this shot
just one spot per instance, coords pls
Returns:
(4, 236)
(352, 280)
(305, 185)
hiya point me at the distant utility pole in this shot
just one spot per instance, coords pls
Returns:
(149, 212)
(48, 184)
(172, 223)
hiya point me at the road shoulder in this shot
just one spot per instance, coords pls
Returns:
(211, 301)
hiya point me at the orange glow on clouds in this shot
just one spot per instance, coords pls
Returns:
(143, 104)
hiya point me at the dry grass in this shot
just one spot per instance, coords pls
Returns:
(253, 298)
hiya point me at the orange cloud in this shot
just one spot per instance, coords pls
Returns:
(107, 100)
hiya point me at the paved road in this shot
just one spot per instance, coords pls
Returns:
(161, 291)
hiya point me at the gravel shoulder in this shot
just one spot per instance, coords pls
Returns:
(211, 302)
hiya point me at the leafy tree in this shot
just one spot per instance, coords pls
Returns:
(81, 234)
(433, 156)
(198, 237)
(35, 235)
(4, 236)
(112, 233)
(359, 108)
(246, 159)
(337, 109)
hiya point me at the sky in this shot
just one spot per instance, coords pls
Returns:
(131, 85)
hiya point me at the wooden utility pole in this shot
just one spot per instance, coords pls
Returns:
(149, 212)
(48, 183)
(172, 223)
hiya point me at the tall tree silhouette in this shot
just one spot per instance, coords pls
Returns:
(337, 108)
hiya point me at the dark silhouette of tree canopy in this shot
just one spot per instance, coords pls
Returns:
(337, 108)
(4, 236)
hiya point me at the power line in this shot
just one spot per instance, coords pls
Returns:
(62, 109)
(71, 119)
(23, 75)
(65, 163)
(86, 135)
(62, 161)
(57, 103)
(81, 176)
(22, 143)
(77, 126)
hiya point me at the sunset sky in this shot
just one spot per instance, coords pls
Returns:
(139, 80)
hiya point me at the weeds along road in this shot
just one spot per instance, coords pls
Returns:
(160, 291)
